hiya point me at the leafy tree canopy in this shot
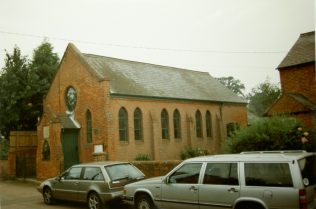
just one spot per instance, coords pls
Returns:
(262, 97)
(23, 84)
(233, 84)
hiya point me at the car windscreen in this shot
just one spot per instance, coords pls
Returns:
(308, 170)
(123, 171)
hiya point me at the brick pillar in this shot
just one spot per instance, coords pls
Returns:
(100, 156)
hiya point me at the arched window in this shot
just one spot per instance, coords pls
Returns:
(46, 151)
(208, 121)
(123, 124)
(164, 124)
(198, 124)
(231, 128)
(177, 124)
(138, 124)
(88, 127)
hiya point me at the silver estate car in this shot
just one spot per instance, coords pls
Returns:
(94, 183)
(250, 180)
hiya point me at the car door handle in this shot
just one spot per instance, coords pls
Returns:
(76, 183)
(232, 190)
(193, 188)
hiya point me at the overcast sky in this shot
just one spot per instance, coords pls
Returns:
(246, 39)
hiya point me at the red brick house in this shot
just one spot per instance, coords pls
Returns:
(298, 82)
(111, 109)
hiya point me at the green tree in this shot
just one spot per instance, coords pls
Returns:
(4, 148)
(23, 84)
(233, 84)
(276, 133)
(262, 97)
(43, 68)
(14, 87)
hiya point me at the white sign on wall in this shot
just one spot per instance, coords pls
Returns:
(98, 148)
(46, 132)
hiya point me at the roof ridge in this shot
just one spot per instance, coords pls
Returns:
(145, 63)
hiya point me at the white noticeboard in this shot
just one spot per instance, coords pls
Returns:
(46, 132)
(98, 148)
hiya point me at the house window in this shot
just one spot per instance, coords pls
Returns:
(177, 124)
(208, 121)
(198, 124)
(164, 124)
(231, 128)
(138, 124)
(88, 126)
(46, 151)
(123, 124)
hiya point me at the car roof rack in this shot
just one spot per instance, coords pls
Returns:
(274, 152)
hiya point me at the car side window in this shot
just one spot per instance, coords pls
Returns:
(186, 174)
(221, 173)
(268, 174)
(93, 173)
(73, 173)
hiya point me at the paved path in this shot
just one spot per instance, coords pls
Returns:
(23, 195)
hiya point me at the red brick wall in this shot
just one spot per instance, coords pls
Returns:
(169, 149)
(4, 169)
(300, 79)
(156, 168)
(93, 94)
(297, 79)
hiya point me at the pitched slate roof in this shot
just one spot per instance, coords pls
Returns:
(137, 79)
(302, 52)
(302, 100)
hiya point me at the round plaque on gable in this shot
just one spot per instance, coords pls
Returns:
(71, 98)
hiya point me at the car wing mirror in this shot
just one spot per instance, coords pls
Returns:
(165, 180)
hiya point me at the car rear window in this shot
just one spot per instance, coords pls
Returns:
(308, 169)
(93, 173)
(268, 174)
(123, 171)
(221, 173)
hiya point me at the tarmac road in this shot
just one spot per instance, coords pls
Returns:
(23, 195)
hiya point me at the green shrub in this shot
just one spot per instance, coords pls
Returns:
(142, 157)
(4, 148)
(276, 133)
(192, 152)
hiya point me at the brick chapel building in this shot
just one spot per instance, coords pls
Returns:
(298, 82)
(102, 108)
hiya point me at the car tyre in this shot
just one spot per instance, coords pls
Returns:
(48, 196)
(144, 202)
(94, 201)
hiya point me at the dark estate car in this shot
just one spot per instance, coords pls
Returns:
(94, 183)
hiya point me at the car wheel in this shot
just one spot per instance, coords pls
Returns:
(94, 201)
(48, 196)
(144, 202)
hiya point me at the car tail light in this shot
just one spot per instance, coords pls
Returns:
(303, 199)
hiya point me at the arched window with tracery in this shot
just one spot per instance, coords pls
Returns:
(123, 124)
(208, 122)
(177, 124)
(164, 124)
(46, 150)
(88, 126)
(138, 124)
(198, 124)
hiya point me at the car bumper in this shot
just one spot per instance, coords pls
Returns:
(128, 199)
(106, 197)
